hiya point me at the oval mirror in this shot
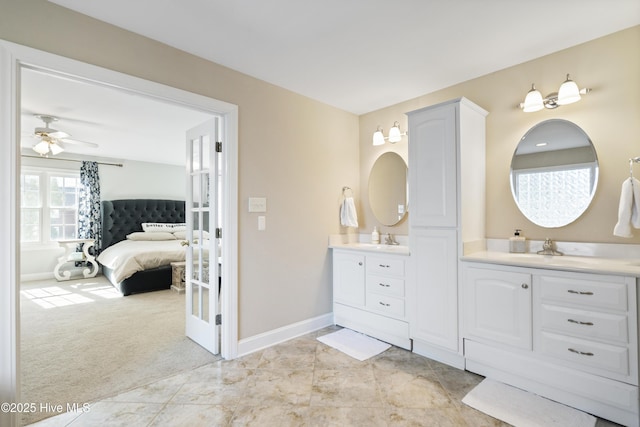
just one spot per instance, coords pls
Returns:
(554, 173)
(388, 188)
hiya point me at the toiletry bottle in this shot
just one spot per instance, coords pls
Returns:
(375, 235)
(517, 243)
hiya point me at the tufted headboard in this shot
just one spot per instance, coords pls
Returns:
(121, 217)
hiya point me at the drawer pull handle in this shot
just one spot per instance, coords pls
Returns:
(525, 286)
(571, 291)
(386, 305)
(384, 285)
(582, 353)
(580, 323)
(384, 266)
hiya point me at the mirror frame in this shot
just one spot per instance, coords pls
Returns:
(575, 144)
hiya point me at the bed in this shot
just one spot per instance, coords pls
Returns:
(121, 218)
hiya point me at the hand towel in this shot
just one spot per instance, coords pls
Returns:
(629, 208)
(348, 215)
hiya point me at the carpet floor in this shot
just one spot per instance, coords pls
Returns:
(81, 341)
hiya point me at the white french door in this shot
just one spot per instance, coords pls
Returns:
(202, 211)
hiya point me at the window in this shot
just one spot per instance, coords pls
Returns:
(49, 205)
(553, 196)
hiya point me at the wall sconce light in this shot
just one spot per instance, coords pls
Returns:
(394, 135)
(567, 94)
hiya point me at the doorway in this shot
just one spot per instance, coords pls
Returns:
(12, 60)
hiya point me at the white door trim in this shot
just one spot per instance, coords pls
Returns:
(12, 58)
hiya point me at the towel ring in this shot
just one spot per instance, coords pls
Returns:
(344, 189)
(631, 162)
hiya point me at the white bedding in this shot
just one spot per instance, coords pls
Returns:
(130, 256)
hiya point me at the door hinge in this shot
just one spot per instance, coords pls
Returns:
(218, 319)
(218, 147)
(218, 233)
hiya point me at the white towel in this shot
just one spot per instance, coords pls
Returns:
(629, 208)
(348, 215)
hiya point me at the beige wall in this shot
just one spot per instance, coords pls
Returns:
(610, 115)
(296, 152)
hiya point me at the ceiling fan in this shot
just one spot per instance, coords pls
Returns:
(52, 140)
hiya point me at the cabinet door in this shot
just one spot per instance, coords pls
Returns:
(434, 317)
(497, 306)
(349, 278)
(433, 167)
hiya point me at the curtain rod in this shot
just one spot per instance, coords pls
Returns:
(73, 160)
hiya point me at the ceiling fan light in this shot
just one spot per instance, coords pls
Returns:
(41, 148)
(56, 149)
(378, 137)
(533, 101)
(394, 133)
(569, 92)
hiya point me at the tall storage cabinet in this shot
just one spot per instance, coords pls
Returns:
(446, 192)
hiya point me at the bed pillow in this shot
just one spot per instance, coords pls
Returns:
(157, 235)
(168, 227)
(183, 234)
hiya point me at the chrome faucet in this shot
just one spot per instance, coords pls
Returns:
(389, 240)
(547, 248)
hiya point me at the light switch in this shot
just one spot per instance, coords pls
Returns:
(262, 223)
(257, 204)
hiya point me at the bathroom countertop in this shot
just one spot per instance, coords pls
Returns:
(585, 264)
(373, 247)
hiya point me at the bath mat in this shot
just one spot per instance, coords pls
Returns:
(354, 344)
(523, 409)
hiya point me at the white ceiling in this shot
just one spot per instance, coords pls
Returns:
(124, 125)
(362, 55)
(357, 55)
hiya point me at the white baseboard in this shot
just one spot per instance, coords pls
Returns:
(285, 333)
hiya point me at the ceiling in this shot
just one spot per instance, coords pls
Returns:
(124, 125)
(357, 55)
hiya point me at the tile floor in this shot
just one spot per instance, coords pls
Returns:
(298, 383)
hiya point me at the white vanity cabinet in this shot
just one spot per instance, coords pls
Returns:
(369, 294)
(446, 190)
(348, 278)
(497, 306)
(569, 336)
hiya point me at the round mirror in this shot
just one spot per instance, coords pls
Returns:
(554, 173)
(388, 188)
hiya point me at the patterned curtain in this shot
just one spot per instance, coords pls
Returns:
(89, 226)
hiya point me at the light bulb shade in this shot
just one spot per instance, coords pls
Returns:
(41, 147)
(394, 133)
(568, 93)
(378, 137)
(56, 149)
(533, 101)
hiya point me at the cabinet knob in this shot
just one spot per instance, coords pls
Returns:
(360, 263)
(525, 286)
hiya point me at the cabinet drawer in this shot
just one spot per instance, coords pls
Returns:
(587, 324)
(387, 266)
(584, 292)
(586, 355)
(385, 285)
(385, 304)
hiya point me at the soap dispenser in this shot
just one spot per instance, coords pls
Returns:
(375, 236)
(517, 243)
